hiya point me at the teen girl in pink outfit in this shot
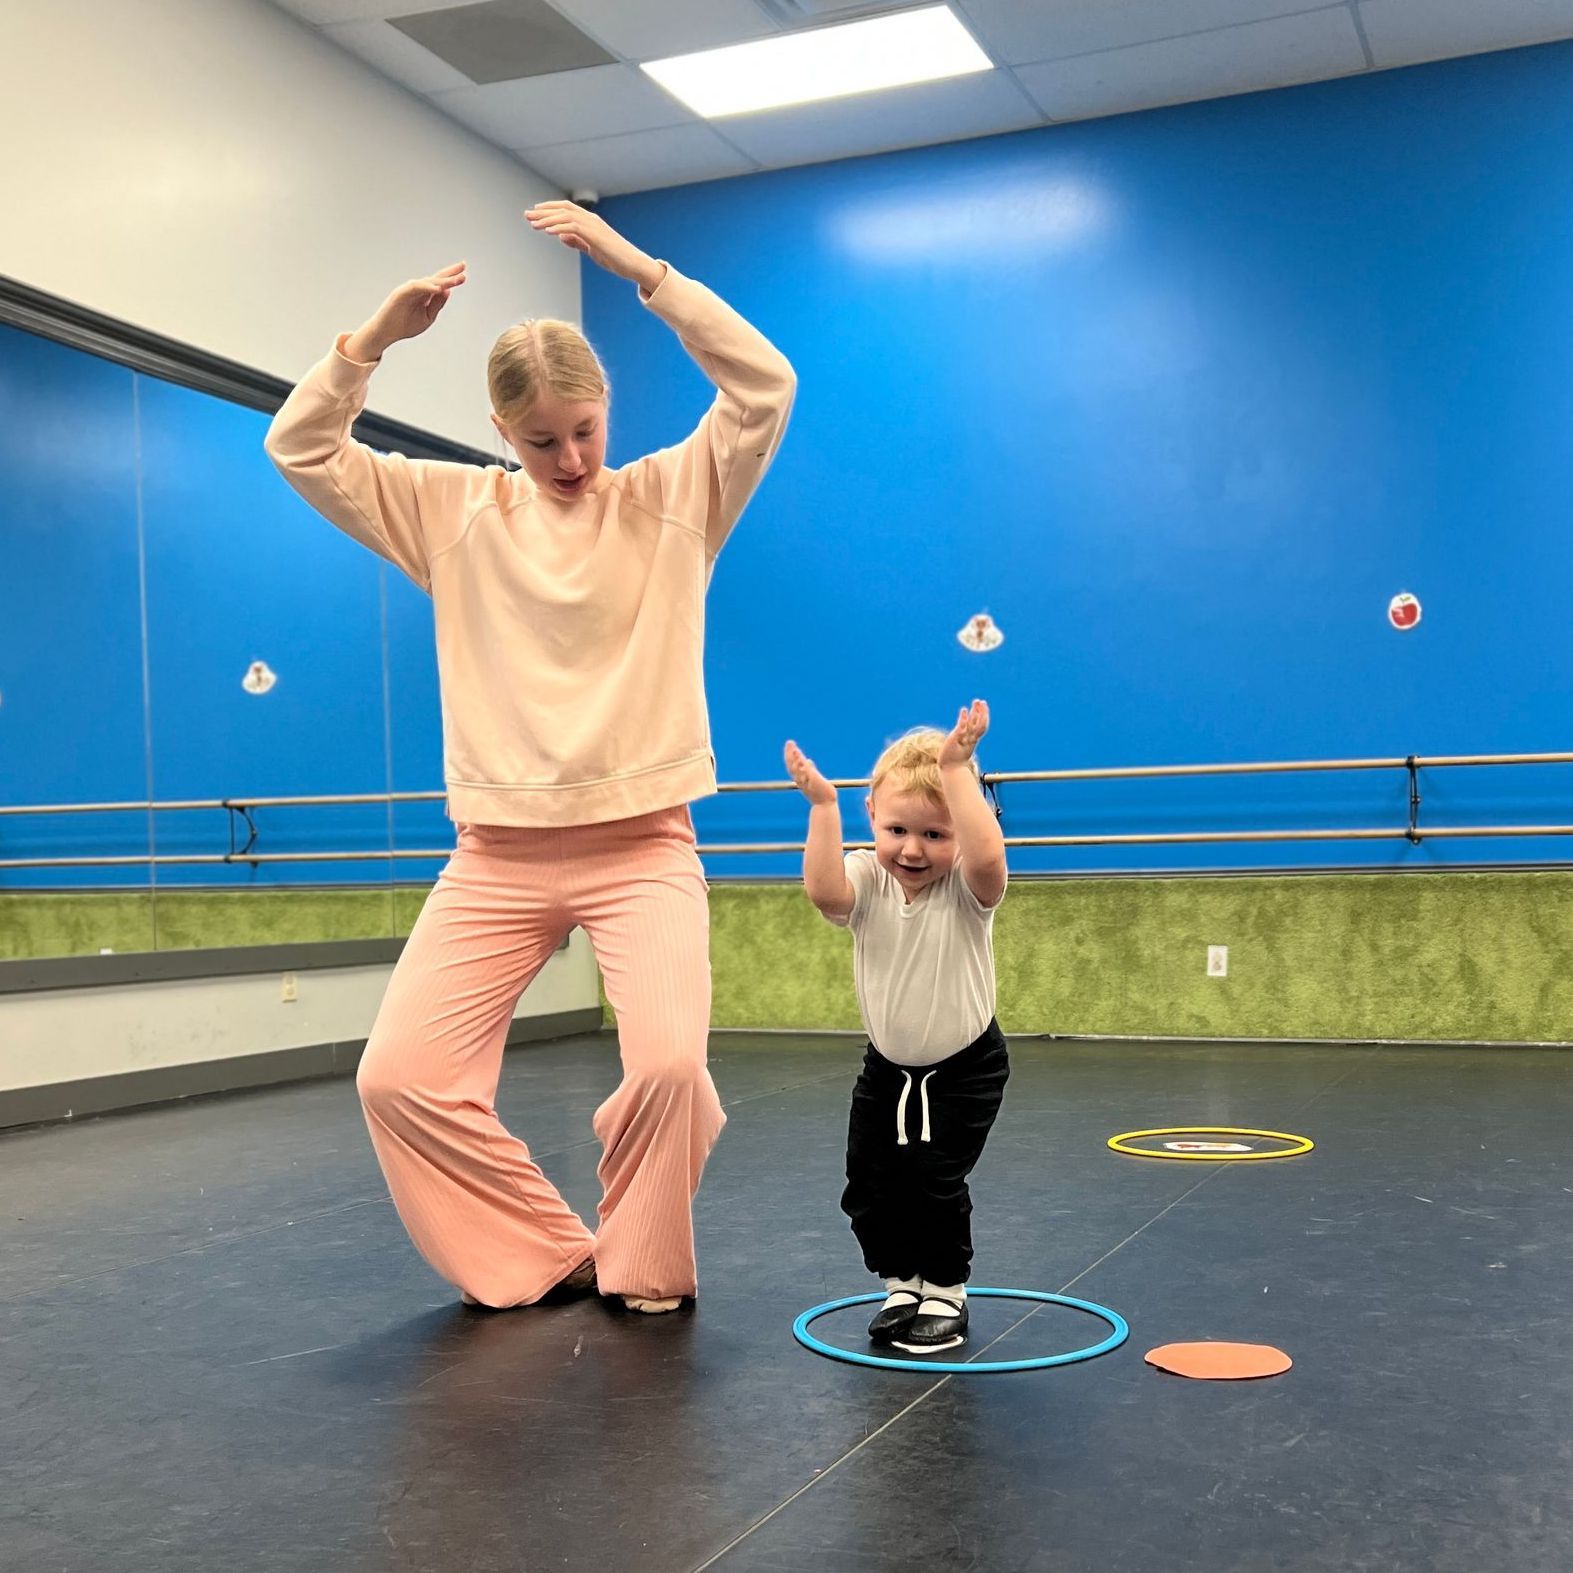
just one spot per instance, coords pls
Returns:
(569, 603)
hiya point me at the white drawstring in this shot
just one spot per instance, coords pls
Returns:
(901, 1108)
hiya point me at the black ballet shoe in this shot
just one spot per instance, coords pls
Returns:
(928, 1330)
(892, 1321)
(577, 1283)
(573, 1286)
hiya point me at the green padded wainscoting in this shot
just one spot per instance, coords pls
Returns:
(1476, 958)
(35, 924)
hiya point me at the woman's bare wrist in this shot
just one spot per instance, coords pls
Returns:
(364, 346)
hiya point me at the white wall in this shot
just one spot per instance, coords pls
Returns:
(74, 1034)
(215, 171)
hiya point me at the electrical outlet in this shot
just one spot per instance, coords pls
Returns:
(1217, 961)
(287, 991)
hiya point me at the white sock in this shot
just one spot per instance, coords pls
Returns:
(900, 1291)
(933, 1307)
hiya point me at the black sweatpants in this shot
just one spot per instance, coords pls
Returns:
(914, 1136)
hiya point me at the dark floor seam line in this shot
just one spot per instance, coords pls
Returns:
(1162, 1212)
(1336, 1082)
(1216, 1171)
(923, 1397)
(1064, 1289)
(808, 1485)
(796, 1086)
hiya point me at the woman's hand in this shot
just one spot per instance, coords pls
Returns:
(581, 230)
(406, 314)
(971, 724)
(806, 775)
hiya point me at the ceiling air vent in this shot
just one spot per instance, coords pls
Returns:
(503, 40)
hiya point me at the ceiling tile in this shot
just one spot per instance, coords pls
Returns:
(612, 128)
(1015, 33)
(641, 162)
(1304, 48)
(572, 106)
(653, 29)
(396, 56)
(899, 117)
(1404, 31)
(329, 13)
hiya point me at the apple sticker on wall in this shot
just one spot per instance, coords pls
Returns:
(981, 633)
(1403, 611)
(259, 678)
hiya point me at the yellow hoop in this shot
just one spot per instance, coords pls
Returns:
(1304, 1144)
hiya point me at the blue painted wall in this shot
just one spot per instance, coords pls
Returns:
(1181, 399)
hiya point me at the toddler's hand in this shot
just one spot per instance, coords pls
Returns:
(805, 774)
(971, 724)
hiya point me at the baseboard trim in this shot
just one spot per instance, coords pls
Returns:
(1288, 1041)
(1295, 1041)
(74, 1100)
(34, 976)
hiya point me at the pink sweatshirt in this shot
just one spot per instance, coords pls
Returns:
(570, 635)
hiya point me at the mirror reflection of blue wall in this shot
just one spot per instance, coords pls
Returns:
(153, 555)
(71, 700)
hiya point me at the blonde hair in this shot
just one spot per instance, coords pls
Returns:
(911, 764)
(542, 355)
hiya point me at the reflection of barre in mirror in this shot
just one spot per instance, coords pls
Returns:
(239, 810)
(992, 780)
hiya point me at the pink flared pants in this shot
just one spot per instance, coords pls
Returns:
(476, 1205)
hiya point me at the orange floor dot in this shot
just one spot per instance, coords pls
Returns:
(1219, 1362)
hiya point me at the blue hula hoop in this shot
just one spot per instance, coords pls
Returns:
(1121, 1331)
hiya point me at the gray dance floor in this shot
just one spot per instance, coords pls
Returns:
(218, 1352)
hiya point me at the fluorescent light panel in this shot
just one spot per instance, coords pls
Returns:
(827, 62)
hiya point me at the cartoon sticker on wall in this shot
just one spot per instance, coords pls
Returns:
(1403, 611)
(981, 633)
(259, 678)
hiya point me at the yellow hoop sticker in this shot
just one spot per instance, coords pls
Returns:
(1299, 1144)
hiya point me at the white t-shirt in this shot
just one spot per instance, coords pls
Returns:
(924, 969)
